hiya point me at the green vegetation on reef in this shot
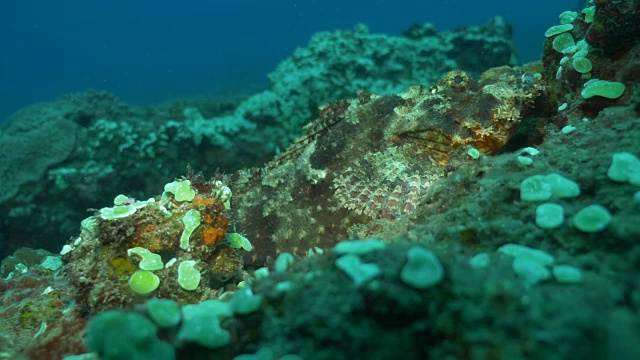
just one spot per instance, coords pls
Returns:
(98, 146)
(485, 215)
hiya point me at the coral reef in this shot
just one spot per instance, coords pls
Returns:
(314, 308)
(39, 320)
(171, 247)
(112, 147)
(487, 215)
(565, 76)
(99, 146)
(337, 65)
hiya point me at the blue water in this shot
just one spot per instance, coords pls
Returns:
(150, 51)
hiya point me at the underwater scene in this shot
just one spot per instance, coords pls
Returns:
(372, 180)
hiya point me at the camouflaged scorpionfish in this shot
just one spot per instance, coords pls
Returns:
(374, 158)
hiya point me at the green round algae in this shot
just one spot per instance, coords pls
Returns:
(592, 218)
(143, 282)
(582, 65)
(567, 17)
(558, 29)
(191, 221)
(188, 275)
(606, 89)
(562, 42)
(181, 189)
(148, 260)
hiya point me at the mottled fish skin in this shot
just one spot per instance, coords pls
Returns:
(374, 158)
